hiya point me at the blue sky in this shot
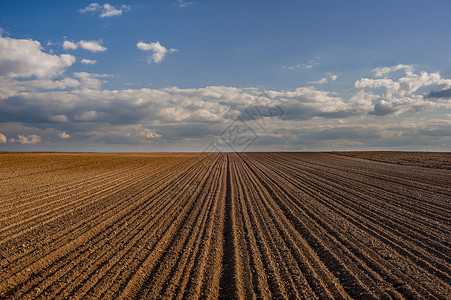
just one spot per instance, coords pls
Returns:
(229, 75)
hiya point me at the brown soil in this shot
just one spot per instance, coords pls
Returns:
(366, 225)
(437, 160)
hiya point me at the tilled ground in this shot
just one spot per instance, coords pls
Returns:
(225, 225)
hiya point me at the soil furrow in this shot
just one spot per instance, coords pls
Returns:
(303, 225)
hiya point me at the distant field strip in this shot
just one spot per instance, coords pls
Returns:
(225, 225)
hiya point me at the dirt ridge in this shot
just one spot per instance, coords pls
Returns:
(225, 225)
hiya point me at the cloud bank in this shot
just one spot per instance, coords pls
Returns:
(134, 116)
(39, 103)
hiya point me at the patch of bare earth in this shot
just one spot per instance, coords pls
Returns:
(363, 225)
(437, 160)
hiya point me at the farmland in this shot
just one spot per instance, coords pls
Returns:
(225, 225)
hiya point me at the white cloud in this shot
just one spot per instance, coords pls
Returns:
(213, 104)
(110, 11)
(321, 81)
(21, 139)
(64, 135)
(91, 80)
(333, 77)
(106, 10)
(379, 72)
(158, 51)
(405, 85)
(324, 80)
(402, 95)
(93, 46)
(132, 116)
(88, 61)
(70, 45)
(25, 58)
(3, 139)
(91, 8)
(9, 87)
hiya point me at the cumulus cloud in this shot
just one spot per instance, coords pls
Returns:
(83, 80)
(106, 10)
(26, 58)
(379, 72)
(402, 95)
(125, 134)
(10, 87)
(70, 45)
(209, 101)
(110, 11)
(214, 104)
(93, 46)
(88, 61)
(21, 139)
(3, 139)
(306, 103)
(173, 112)
(91, 80)
(80, 106)
(64, 135)
(158, 51)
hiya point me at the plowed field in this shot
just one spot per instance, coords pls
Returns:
(225, 225)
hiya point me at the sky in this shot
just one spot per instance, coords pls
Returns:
(176, 75)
